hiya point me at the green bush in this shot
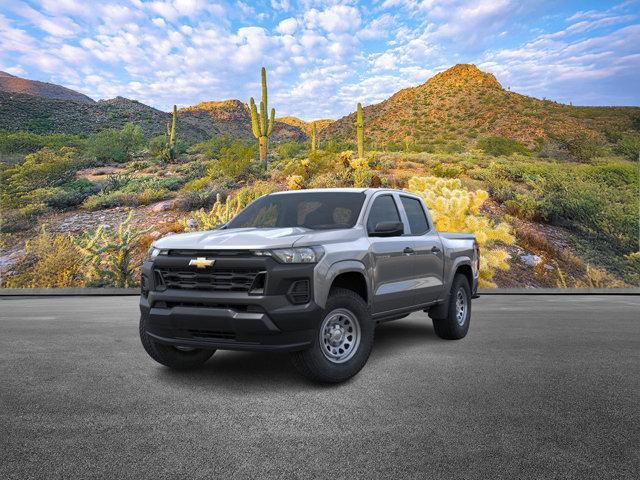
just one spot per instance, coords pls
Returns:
(116, 145)
(581, 146)
(44, 169)
(211, 148)
(121, 198)
(289, 150)
(28, 142)
(629, 146)
(68, 195)
(16, 220)
(498, 146)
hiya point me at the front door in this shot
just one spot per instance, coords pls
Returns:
(392, 265)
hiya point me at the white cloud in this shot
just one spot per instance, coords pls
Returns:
(335, 19)
(159, 22)
(287, 26)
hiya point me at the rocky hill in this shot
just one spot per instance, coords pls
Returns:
(16, 85)
(44, 114)
(464, 103)
(232, 118)
(305, 126)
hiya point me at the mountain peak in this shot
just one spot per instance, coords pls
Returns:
(465, 75)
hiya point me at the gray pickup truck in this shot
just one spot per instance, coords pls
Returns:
(309, 272)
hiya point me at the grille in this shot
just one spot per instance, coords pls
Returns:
(232, 306)
(229, 280)
(210, 253)
(221, 334)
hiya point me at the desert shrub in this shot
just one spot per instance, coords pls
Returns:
(68, 194)
(189, 200)
(116, 145)
(44, 169)
(455, 209)
(447, 170)
(598, 200)
(23, 218)
(289, 150)
(233, 160)
(523, 206)
(28, 142)
(581, 146)
(211, 148)
(157, 145)
(498, 146)
(629, 146)
(126, 198)
(107, 254)
(52, 261)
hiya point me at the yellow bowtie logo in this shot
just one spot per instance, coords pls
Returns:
(201, 262)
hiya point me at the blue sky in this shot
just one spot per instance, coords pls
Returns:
(322, 56)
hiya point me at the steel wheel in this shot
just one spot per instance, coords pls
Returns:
(461, 307)
(339, 335)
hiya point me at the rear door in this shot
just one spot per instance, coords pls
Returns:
(428, 255)
(392, 267)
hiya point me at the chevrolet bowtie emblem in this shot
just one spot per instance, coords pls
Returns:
(201, 262)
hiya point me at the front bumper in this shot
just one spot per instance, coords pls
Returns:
(231, 320)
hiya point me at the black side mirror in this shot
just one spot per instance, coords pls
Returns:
(388, 229)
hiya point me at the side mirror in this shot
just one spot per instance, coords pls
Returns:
(388, 229)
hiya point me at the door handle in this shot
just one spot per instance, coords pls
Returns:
(435, 249)
(409, 251)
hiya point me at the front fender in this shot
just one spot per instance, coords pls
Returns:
(324, 277)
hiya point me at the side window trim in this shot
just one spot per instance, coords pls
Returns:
(426, 216)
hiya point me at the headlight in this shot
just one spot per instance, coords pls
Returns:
(294, 255)
(154, 252)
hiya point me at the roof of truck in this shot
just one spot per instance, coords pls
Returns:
(336, 190)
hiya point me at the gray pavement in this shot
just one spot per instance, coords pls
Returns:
(542, 387)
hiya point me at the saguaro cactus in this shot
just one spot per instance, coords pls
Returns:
(360, 132)
(171, 135)
(314, 137)
(260, 124)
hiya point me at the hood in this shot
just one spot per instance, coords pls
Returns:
(235, 238)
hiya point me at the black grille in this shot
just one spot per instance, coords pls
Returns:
(299, 291)
(230, 280)
(210, 253)
(220, 334)
(249, 308)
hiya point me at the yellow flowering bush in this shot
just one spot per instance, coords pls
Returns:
(295, 182)
(455, 209)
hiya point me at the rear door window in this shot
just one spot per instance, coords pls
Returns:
(418, 222)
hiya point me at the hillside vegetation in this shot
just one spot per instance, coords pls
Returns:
(549, 208)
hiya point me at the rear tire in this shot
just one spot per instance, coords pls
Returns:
(343, 340)
(178, 358)
(456, 324)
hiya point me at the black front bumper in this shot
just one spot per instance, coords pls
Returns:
(232, 320)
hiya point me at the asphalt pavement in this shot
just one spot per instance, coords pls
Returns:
(542, 387)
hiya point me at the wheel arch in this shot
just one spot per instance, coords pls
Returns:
(349, 274)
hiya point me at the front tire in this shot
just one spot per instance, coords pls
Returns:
(343, 340)
(178, 358)
(456, 324)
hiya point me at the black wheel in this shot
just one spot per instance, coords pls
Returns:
(180, 358)
(343, 340)
(456, 324)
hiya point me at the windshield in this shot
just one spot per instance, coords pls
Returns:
(317, 211)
